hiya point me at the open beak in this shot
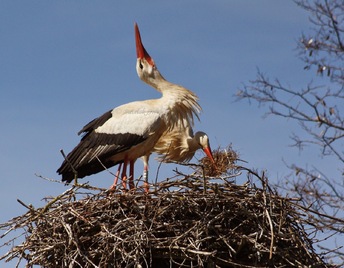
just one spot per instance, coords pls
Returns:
(140, 49)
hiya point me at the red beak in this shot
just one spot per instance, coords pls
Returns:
(140, 49)
(208, 152)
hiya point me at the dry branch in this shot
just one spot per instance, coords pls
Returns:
(184, 222)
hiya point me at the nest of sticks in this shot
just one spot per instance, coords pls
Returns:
(187, 221)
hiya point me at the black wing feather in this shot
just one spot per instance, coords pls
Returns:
(95, 123)
(93, 149)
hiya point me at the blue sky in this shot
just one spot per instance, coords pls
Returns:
(63, 63)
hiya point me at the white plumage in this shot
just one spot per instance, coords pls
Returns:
(177, 143)
(131, 130)
(180, 144)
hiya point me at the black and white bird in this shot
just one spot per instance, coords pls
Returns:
(130, 131)
(177, 143)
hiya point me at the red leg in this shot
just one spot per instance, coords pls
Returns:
(131, 175)
(114, 185)
(124, 174)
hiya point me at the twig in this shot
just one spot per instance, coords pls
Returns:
(72, 167)
(184, 222)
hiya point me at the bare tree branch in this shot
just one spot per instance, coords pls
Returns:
(319, 112)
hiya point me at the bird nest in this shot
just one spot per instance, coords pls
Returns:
(225, 162)
(188, 221)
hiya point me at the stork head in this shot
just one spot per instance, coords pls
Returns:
(203, 143)
(145, 65)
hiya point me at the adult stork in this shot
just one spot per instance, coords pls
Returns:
(180, 144)
(130, 131)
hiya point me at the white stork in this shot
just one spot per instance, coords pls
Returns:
(180, 144)
(130, 131)
(177, 143)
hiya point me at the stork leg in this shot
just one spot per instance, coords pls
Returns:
(124, 174)
(131, 175)
(145, 160)
(145, 178)
(114, 185)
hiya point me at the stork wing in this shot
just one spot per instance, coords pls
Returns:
(106, 137)
(99, 121)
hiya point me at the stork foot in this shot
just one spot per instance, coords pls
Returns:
(112, 188)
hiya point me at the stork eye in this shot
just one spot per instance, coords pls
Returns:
(141, 66)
